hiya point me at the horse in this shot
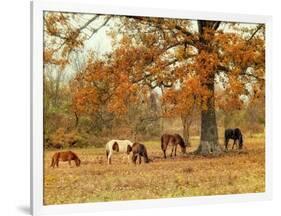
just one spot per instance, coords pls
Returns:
(234, 134)
(65, 156)
(139, 150)
(174, 140)
(116, 146)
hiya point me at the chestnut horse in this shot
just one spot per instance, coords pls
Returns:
(65, 156)
(173, 140)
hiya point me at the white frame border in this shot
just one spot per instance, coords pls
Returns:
(36, 196)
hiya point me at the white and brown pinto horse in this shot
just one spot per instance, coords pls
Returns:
(117, 146)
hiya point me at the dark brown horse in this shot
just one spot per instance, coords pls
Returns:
(65, 156)
(174, 140)
(139, 150)
(234, 134)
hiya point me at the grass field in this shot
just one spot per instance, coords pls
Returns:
(191, 175)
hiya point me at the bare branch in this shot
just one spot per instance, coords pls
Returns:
(88, 22)
(255, 32)
(97, 29)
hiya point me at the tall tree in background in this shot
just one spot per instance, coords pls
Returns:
(163, 53)
(65, 35)
(211, 52)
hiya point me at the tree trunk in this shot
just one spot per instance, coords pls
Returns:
(186, 122)
(209, 134)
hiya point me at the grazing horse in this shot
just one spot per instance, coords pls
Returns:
(116, 146)
(139, 150)
(174, 140)
(234, 134)
(65, 156)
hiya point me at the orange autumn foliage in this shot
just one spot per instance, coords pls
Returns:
(194, 61)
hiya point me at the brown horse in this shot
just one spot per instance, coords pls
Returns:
(173, 140)
(139, 150)
(65, 156)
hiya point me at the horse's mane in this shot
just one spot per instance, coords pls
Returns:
(75, 155)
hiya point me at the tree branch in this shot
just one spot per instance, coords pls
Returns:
(88, 22)
(243, 72)
(97, 29)
(255, 32)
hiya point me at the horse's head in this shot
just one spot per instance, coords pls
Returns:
(241, 142)
(77, 162)
(183, 145)
(129, 149)
(183, 149)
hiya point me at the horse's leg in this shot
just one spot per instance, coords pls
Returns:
(172, 150)
(233, 144)
(226, 144)
(165, 156)
(176, 150)
(139, 159)
(134, 158)
(109, 158)
(69, 162)
(237, 144)
(57, 163)
(240, 142)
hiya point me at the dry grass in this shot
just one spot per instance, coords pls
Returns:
(231, 173)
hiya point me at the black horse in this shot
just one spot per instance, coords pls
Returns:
(234, 134)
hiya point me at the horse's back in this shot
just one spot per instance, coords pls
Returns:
(122, 145)
(228, 133)
(67, 155)
(165, 139)
(139, 148)
(232, 133)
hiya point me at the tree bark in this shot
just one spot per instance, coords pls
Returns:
(186, 122)
(209, 143)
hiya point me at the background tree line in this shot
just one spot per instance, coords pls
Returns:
(201, 75)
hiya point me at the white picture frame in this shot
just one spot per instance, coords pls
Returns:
(37, 9)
